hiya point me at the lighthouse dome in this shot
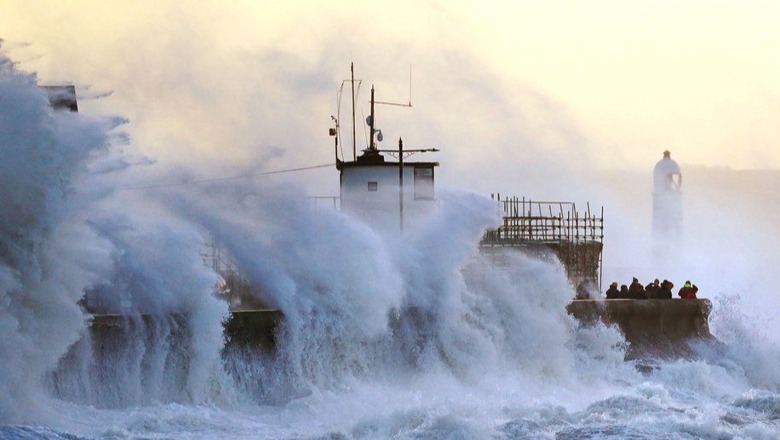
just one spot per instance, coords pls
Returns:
(666, 175)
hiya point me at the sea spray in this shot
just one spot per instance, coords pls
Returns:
(330, 276)
(364, 310)
(43, 270)
(499, 360)
(361, 306)
(67, 229)
(164, 344)
(748, 349)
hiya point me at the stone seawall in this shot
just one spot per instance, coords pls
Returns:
(255, 328)
(652, 327)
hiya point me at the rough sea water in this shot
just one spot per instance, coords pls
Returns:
(417, 338)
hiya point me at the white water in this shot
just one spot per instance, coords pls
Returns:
(495, 357)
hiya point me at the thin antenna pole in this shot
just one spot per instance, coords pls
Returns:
(410, 89)
(352, 81)
(371, 125)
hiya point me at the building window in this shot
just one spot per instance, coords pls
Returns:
(423, 183)
(372, 186)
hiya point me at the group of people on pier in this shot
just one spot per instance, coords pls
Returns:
(654, 290)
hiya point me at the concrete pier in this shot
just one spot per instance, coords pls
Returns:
(254, 328)
(652, 327)
(657, 328)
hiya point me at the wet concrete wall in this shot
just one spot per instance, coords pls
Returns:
(652, 327)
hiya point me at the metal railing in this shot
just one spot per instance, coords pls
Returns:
(526, 221)
(575, 237)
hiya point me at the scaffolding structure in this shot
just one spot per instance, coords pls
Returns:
(214, 256)
(558, 228)
(240, 293)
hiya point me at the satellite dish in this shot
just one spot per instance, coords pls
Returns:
(379, 136)
(368, 119)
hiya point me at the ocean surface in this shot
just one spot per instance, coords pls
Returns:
(383, 338)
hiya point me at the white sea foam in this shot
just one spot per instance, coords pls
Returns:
(412, 336)
(47, 257)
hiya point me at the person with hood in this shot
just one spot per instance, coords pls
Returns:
(612, 292)
(665, 292)
(636, 290)
(651, 290)
(688, 291)
(624, 292)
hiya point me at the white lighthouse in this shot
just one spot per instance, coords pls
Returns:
(667, 201)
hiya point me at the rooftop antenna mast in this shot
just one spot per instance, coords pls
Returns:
(352, 80)
(372, 122)
(336, 131)
(371, 145)
(399, 104)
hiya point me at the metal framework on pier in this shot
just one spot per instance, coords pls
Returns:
(241, 294)
(574, 237)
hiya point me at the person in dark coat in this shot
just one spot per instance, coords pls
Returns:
(688, 291)
(665, 292)
(624, 292)
(613, 292)
(651, 290)
(636, 290)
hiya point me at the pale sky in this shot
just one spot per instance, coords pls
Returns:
(538, 89)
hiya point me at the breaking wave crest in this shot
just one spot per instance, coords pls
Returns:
(414, 336)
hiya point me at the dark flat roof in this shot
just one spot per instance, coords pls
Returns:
(62, 97)
(359, 164)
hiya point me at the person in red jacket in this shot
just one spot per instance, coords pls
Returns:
(688, 291)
